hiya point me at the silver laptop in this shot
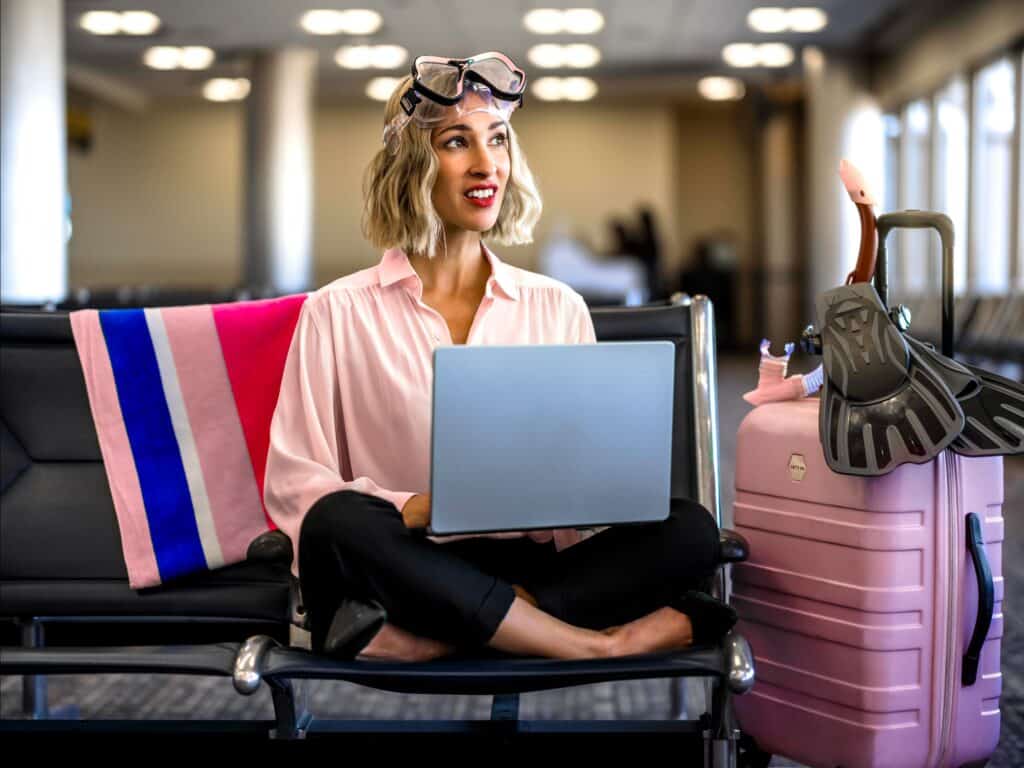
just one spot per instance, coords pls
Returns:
(551, 436)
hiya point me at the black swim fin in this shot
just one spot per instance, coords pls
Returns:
(993, 406)
(882, 405)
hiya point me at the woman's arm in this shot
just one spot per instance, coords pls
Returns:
(306, 434)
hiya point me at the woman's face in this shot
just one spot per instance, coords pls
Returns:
(473, 166)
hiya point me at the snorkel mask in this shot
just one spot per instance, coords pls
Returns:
(487, 82)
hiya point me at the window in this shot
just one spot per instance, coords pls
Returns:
(911, 273)
(992, 148)
(949, 176)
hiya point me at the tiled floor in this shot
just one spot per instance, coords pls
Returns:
(182, 697)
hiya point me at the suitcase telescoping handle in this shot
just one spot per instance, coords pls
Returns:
(986, 598)
(942, 224)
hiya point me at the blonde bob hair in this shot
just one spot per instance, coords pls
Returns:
(398, 211)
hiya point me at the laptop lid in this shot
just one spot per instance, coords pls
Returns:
(551, 436)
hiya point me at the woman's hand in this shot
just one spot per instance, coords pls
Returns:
(416, 512)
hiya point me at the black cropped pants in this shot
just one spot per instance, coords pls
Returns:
(356, 545)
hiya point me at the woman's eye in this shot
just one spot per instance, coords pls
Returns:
(500, 139)
(455, 141)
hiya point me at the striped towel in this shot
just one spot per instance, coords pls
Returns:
(182, 399)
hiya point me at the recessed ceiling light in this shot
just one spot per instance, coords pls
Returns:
(330, 22)
(807, 19)
(741, 55)
(564, 88)
(775, 54)
(763, 55)
(353, 57)
(366, 56)
(770, 20)
(362, 22)
(101, 22)
(582, 21)
(548, 88)
(546, 56)
(139, 22)
(579, 88)
(162, 57)
(543, 21)
(720, 88)
(196, 57)
(574, 21)
(381, 88)
(388, 56)
(226, 89)
(323, 22)
(124, 22)
(553, 56)
(581, 55)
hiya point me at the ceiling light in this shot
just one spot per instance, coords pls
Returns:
(772, 20)
(564, 88)
(807, 19)
(548, 88)
(388, 56)
(226, 89)
(139, 22)
(381, 88)
(720, 88)
(581, 55)
(196, 57)
(741, 55)
(101, 22)
(543, 21)
(582, 21)
(330, 22)
(579, 88)
(354, 57)
(162, 57)
(768, 20)
(776, 55)
(546, 56)
(574, 21)
(763, 55)
(361, 22)
(323, 22)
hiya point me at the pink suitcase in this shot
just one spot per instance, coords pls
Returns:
(860, 600)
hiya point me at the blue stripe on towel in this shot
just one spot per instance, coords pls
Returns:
(172, 520)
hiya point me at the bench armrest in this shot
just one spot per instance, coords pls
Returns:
(271, 547)
(733, 547)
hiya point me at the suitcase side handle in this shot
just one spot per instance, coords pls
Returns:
(986, 598)
(913, 219)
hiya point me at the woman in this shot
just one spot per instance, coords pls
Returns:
(348, 466)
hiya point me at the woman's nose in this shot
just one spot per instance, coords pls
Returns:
(483, 163)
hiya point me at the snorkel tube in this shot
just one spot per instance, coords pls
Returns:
(861, 196)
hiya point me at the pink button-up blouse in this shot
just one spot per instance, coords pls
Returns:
(354, 410)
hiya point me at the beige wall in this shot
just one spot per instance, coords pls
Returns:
(159, 198)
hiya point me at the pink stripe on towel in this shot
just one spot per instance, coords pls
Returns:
(227, 471)
(118, 461)
(255, 337)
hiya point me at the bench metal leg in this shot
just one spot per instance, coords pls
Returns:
(291, 715)
(505, 706)
(34, 695)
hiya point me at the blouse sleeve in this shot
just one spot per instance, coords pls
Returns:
(307, 433)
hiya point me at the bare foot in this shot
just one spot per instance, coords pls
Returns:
(392, 643)
(665, 629)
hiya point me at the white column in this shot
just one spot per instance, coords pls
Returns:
(279, 161)
(843, 121)
(33, 152)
